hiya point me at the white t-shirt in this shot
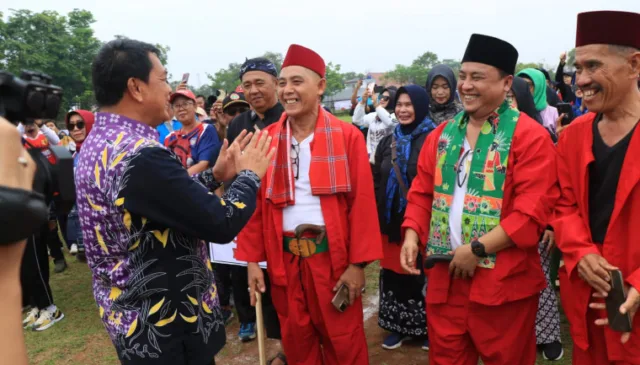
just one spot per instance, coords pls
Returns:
(307, 209)
(459, 192)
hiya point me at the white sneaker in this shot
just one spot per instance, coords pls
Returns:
(47, 319)
(32, 317)
(73, 249)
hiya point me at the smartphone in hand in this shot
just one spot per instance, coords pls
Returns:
(567, 110)
(185, 77)
(341, 299)
(617, 296)
(371, 87)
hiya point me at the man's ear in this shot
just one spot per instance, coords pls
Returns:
(134, 89)
(508, 82)
(322, 86)
(634, 63)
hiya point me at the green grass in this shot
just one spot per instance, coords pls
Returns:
(346, 118)
(80, 337)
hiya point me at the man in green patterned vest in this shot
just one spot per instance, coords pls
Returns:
(485, 190)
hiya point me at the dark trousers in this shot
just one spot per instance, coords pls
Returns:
(53, 240)
(224, 283)
(247, 313)
(54, 244)
(34, 272)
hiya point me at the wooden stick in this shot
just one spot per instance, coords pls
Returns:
(260, 325)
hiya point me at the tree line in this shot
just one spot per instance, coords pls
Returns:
(61, 46)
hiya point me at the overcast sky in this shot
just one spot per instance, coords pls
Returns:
(369, 35)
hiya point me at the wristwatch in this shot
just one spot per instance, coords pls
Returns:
(361, 265)
(477, 248)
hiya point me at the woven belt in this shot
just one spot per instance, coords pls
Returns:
(305, 246)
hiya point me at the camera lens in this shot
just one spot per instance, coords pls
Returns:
(52, 105)
(34, 102)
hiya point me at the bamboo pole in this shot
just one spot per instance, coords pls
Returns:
(260, 325)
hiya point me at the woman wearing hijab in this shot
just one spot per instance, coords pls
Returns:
(402, 307)
(521, 99)
(538, 87)
(79, 124)
(548, 316)
(441, 86)
(380, 122)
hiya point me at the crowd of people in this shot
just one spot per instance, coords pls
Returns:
(496, 176)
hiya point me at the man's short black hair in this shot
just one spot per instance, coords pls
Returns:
(117, 62)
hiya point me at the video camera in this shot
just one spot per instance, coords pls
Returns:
(30, 97)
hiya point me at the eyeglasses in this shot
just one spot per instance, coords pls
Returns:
(181, 106)
(235, 110)
(384, 98)
(295, 159)
(462, 167)
(72, 126)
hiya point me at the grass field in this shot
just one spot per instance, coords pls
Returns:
(346, 118)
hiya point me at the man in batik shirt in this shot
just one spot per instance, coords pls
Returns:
(143, 216)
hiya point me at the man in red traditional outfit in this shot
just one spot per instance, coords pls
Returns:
(316, 223)
(598, 169)
(483, 303)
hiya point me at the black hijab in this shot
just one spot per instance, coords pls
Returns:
(524, 99)
(420, 100)
(391, 106)
(441, 112)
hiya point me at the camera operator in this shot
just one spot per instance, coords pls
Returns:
(34, 275)
(17, 170)
(39, 137)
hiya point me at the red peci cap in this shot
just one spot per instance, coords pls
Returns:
(608, 27)
(300, 56)
(182, 92)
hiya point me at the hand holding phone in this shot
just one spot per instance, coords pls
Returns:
(341, 300)
(567, 110)
(185, 78)
(371, 88)
(617, 296)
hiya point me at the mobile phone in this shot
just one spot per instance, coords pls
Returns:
(617, 296)
(341, 300)
(567, 110)
(371, 87)
(378, 89)
(185, 77)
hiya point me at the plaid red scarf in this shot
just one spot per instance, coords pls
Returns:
(329, 170)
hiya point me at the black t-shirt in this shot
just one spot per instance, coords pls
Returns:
(249, 120)
(604, 174)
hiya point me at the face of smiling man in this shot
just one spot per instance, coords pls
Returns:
(606, 74)
(299, 90)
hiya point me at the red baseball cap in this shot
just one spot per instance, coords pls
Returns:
(182, 92)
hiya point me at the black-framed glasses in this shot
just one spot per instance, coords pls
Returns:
(72, 126)
(295, 159)
(462, 168)
(232, 111)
